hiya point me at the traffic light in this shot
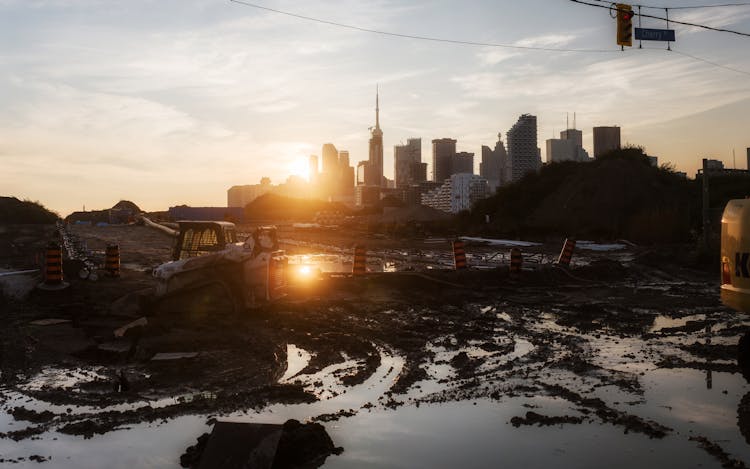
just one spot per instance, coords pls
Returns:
(624, 24)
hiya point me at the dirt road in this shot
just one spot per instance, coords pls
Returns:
(572, 352)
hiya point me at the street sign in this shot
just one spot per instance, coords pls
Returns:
(644, 34)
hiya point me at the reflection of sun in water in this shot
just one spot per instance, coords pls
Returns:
(298, 167)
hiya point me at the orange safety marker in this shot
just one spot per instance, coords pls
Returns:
(53, 273)
(359, 266)
(567, 252)
(459, 255)
(112, 260)
(516, 262)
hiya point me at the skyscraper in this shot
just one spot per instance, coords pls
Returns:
(462, 163)
(606, 139)
(404, 157)
(443, 150)
(312, 169)
(522, 147)
(376, 148)
(330, 158)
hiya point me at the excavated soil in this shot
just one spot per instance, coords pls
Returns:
(476, 334)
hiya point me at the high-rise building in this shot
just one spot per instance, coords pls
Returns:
(418, 173)
(489, 168)
(574, 135)
(462, 163)
(606, 139)
(330, 159)
(343, 159)
(404, 156)
(376, 148)
(443, 150)
(346, 175)
(748, 159)
(522, 148)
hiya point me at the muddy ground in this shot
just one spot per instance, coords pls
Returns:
(458, 336)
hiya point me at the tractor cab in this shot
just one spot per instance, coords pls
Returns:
(198, 238)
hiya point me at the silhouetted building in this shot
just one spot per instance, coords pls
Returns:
(495, 165)
(748, 159)
(346, 175)
(462, 163)
(365, 196)
(574, 135)
(404, 157)
(376, 149)
(418, 173)
(606, 139)
(522, 148)
(565, 148)
(443, 150)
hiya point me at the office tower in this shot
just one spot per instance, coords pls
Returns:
(606, 139)
(443, 150)
(522, 148)
(462, 163)
(404, 157)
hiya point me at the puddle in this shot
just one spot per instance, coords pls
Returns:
(296, 360)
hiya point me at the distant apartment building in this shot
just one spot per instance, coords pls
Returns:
(606, 139)
(443, 150)
(239, 196)
(523, 151)
(405, 157)
(458, 192)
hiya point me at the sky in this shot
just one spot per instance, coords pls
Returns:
(167, 102)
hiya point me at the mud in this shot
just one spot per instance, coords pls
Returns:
(569, 334)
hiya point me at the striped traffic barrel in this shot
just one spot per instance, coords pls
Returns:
(359, 266)
(567, 252)
(459, 255)
(516, 262)
(112, 260)
(53, 274)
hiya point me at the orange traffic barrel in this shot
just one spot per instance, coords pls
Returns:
(567, 252)
(459, 255)
(516, 262)
(359, 267)
(53, 273)
(112, 260)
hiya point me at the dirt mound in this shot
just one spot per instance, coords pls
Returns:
(412, 213)
(277, 207)
(619, 195)
(24, 212)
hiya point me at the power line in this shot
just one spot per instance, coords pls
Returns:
(684, 23)
(421, 38)
(686, 7)
(471, 43)
(726, 67)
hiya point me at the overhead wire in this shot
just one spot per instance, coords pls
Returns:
(482, 44)
(421, 38)
(684, 23)
(683, 7)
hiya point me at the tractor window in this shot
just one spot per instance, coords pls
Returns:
(197, 242)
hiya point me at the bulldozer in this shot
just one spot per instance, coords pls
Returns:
(207, 256)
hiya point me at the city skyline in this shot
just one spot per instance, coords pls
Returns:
(108, 102)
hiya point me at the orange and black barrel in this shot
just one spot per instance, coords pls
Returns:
(359, 266)
(516, 262)
(53, 274)
(112, 260)
(567, 252)
(459, 255)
